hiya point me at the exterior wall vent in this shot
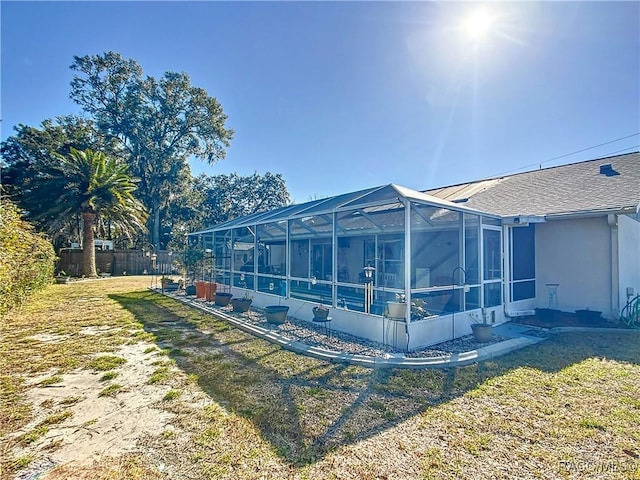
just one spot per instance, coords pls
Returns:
(607, 169)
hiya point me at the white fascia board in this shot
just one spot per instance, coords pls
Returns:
(591, 213)
(523, 219)
(438, 202)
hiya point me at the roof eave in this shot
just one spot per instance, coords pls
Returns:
(593, 213)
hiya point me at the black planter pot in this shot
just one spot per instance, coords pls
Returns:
(320, 314)
(589, 316)
(222, 299)
(171, 286)
(482, 332)
(240, 305)
(546, 314)
(190, 290)
(276, 313)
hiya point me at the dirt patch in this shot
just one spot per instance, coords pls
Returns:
(95, 330)
(47, 338)
(100, 425)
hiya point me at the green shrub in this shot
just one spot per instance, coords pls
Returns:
(27, 258)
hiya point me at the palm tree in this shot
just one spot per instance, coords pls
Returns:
(94, 186)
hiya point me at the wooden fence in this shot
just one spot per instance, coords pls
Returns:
(118, 262)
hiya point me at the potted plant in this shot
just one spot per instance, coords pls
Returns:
(169, 285)
(320, 313)
(210, 291)
(276, 314)
(482, 332)
(243, 304)
(223, 299)
(62, 277)
(419, 310)
(398, 309)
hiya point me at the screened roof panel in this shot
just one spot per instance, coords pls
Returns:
(377, 195)
(369, 201)
(291, 210)
(363, 220)
(329, 204)
(312, 224)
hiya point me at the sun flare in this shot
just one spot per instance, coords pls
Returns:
(478, 24)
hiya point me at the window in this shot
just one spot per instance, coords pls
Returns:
(492, 254)
(300, 258)
(523, 263)
(492, 267)
(435, 246)
(322, 260)
(472, 248)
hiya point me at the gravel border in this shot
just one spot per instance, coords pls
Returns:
(315, 336)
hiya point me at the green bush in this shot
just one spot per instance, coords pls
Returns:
(27, 258)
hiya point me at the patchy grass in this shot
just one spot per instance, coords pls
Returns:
(108, 376)
(106, 362)
(50, 381)
(58, 417)
(34, 435)
(243, 408)
(70, 400)
(160, 375)
(110, 391)
(171, 395)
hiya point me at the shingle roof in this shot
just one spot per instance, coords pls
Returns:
(567, 189)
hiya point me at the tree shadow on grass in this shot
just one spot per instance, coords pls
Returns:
(305, 407)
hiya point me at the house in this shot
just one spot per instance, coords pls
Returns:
(583, 221)
(566, 237)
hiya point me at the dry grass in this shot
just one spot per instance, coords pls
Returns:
(243, 408)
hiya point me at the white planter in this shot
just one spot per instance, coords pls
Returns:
(397, 309)
(482, 332)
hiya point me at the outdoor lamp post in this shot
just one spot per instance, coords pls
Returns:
(165, 270)
(152, 257)
(368, 288)
(368, 273)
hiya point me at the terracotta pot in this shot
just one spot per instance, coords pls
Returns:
(209, 291)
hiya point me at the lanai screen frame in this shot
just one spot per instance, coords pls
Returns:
(392, 217)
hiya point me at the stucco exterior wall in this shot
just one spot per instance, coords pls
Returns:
(629, 254)
(576, 254)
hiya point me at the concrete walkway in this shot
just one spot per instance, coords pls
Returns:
(518, 336)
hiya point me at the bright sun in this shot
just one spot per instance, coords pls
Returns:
(478, 24)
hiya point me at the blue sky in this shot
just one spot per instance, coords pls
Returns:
(339, 96)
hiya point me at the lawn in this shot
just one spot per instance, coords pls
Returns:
(106, 379)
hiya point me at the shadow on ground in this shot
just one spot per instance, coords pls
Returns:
(305, 407)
